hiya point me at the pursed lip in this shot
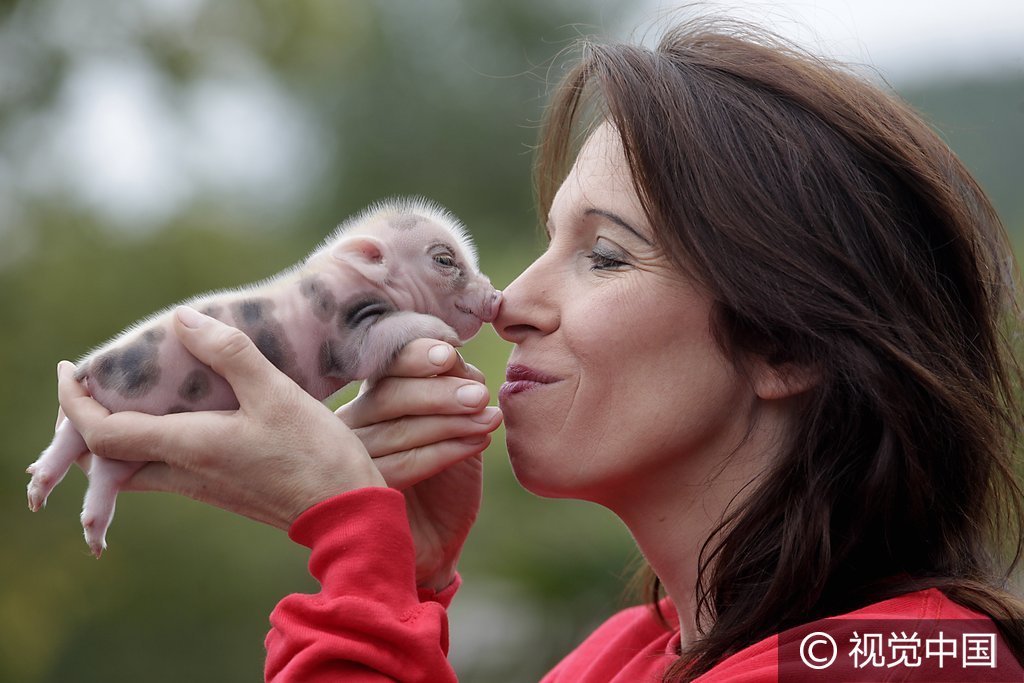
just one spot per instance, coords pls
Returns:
(516, 373)
(520, 378)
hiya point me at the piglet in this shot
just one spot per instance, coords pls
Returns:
(399, 271)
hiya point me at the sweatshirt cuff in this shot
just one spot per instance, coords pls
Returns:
(443, 596)
(361, 541)
(354, 508)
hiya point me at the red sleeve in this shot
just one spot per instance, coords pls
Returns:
(368, 622)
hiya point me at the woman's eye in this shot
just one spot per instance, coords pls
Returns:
(604, 260)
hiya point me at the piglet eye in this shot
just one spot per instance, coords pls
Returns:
(446, 260)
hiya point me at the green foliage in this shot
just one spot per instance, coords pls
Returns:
(438, 99)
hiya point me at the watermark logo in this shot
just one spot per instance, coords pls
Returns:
(855, 651)
(818, 650)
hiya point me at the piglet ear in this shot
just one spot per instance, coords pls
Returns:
(364, 253)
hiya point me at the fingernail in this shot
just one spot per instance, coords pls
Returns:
(438, 355)
(486, 415)
(60, 366)
(190, 317)
(470, 395)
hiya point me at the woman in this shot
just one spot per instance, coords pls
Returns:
(771, 331)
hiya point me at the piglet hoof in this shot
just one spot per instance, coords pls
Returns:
(38, 491)
(452, 339)
(94, 536)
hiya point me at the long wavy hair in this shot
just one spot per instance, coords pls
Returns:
(836, 231)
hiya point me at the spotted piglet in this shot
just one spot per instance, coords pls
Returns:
(399, 271)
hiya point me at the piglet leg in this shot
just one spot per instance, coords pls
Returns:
(106, 478)
(66, 447)
(388, 336)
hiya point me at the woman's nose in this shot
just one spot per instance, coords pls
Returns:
(529, 304)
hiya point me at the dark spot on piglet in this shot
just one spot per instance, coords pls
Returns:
(141, 370)
(132, 371)
(271, 346)
(103, 368)
(195, 386)
(320, 298)
(332, 361)
(154, 335)
(250, 311)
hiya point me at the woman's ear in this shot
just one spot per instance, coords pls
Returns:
(774, 381)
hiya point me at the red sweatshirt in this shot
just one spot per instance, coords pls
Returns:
(369, 623)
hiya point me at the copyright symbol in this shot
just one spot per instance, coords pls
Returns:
(813, 645)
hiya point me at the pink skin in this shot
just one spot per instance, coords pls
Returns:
(362, 297)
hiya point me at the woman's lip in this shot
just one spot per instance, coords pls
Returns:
(519, 386)
(521, 378)
(516, 373)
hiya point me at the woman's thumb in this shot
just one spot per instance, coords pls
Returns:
(227, 350)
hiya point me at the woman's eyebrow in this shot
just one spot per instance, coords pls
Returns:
(618, 221)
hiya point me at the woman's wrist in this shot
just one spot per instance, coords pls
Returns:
(324, 489)
(439, 580)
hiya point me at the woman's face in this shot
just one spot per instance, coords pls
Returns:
(615, 388)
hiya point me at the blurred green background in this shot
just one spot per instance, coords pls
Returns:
(245, 130)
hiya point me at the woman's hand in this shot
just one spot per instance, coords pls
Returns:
(279, 453)
(426, 425)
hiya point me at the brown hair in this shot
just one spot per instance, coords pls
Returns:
(834, 230)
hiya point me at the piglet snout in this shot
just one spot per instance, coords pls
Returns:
(482, 302)
(489, 311)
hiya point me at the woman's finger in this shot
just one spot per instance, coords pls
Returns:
(395, 397)
(159, 476)
(84, 461)
(181, 439)
(75, 402)
(429, 357)
(408, 468)
(407, 433)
